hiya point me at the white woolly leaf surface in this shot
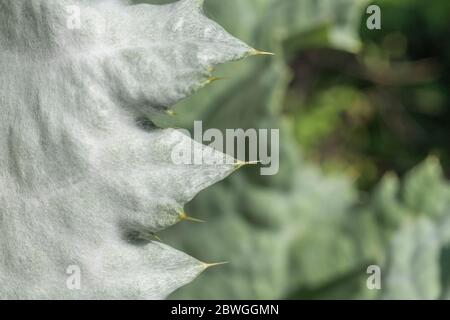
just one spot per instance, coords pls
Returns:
(80, 182)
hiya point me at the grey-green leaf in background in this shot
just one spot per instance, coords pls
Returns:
(416, 263)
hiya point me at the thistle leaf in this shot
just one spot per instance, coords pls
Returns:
(82, 184)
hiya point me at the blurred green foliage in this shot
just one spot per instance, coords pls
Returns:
(384, 109)
(357, 119)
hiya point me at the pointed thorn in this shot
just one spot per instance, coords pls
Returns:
(185, 217)
(252, 162)
(209, 265)
(255, 52)
(211, 80)
(239, 164)
(214, 79)
(156, 237)
(194, 220)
